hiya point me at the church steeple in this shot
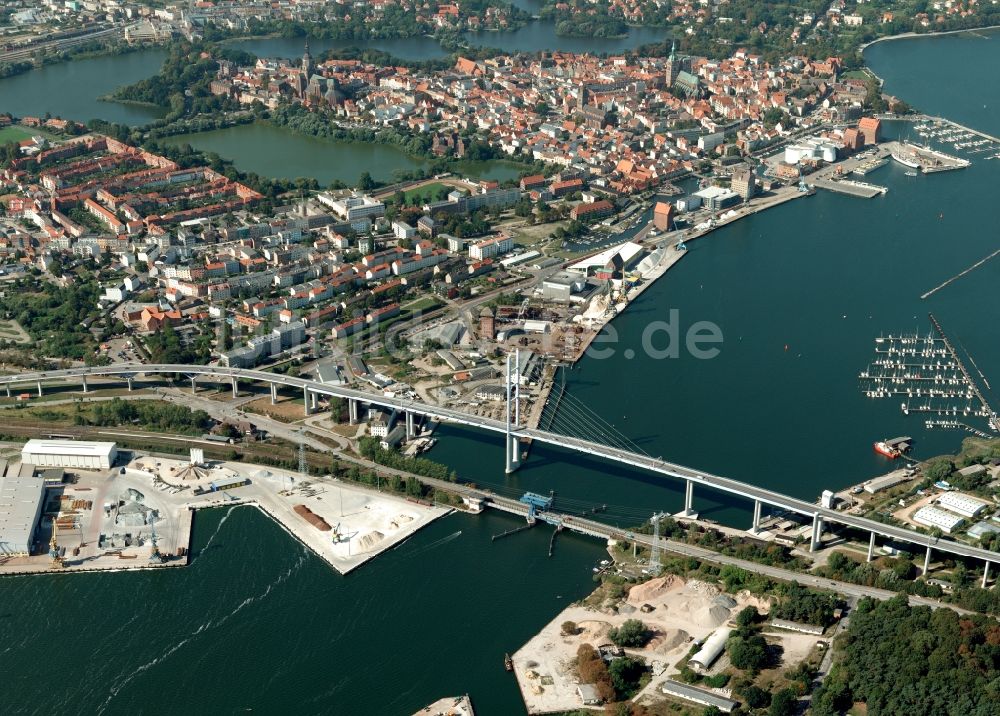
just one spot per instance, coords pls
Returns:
(673, 65)
(307, 62)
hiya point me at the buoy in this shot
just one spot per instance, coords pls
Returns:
(786, 346)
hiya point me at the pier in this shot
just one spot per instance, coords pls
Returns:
(850, 187)
(961, 367)
(959, 275)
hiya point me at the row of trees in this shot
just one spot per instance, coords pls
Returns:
(370, 448)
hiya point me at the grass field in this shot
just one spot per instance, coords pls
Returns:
(17, 133)
(425, 193)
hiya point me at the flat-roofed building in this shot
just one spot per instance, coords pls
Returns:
(21, 500)
(933, 517)
(885, 482)
(69, 453)
(962, 504)
(698, 696)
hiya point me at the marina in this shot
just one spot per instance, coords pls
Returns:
(928, 374)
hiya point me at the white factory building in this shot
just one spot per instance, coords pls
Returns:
(21, 500)
(933, 517)
(962, 504)
(69, 453)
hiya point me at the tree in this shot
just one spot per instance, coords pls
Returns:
(749, 653)
(631, 634)
(755, 697)
(625, 673)
(365, 182)
(783, 703)
(747, 617)
(569, 628)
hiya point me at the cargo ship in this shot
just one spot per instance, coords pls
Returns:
(883, 448)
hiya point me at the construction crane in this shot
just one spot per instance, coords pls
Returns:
(524, 308)
(57, 560)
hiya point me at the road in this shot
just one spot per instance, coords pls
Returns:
(644, 462)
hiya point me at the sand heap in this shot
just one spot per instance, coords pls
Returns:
(745, 598)
(647, 592)
(370, 540)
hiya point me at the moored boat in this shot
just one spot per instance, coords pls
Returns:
(883, 448)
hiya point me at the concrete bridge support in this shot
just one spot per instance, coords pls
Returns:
(689, 499)
(84, 383)
(314, 397)
(236, 387)
(352, 410)
(927, 561)
(129, 381)
(871, 548)
(8, 390)
(39, 389)
(274, 393)
(755, 529)
(194, 385)
(986, 573)
(305, 401)
(411, 427)
(817, 533)
(513, 453)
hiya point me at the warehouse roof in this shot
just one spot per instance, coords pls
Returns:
(69, 447)
(963, 504)
(20, 501)
(699, 696)
(933, 517)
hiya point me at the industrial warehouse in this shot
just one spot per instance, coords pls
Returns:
(21, 499)
(69, 453)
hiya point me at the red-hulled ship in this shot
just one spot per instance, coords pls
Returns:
(883, 448)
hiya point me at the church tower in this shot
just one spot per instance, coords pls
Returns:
(307, 63)
(673, 65)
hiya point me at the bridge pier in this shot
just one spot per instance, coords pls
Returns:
(689, 499)
(315, 401)
(84, 383)
(513, 452)
(305, 401)
(817, 533)
(194, 385)
(411, 428)
(986, 573)
(755, 528)
(352, 410)
(8, 390)
(871, 548)
(236, 387)
(129, 380)
(274, 393)
(39, 389)
(927, 561)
